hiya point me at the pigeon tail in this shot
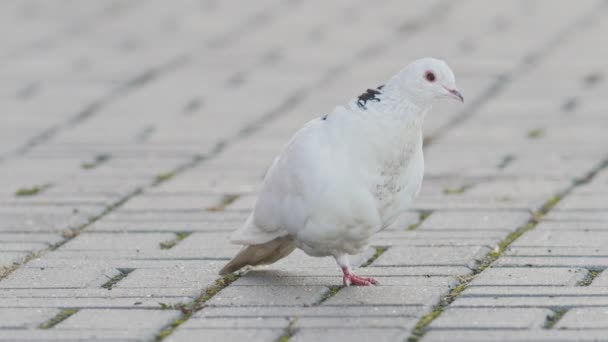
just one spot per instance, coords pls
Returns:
(263, 254)
(250, 234)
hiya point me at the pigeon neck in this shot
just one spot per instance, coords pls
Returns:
(390, 99)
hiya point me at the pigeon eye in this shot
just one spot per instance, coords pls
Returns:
(429, 76)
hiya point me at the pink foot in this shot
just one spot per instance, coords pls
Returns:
(351, 279)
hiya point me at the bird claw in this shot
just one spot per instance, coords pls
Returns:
(351, 279)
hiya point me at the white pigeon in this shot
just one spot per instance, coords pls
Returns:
(346, 175)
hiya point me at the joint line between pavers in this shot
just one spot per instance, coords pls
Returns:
(187, 310)
(58, 318)
(426, 320)
(529, 62)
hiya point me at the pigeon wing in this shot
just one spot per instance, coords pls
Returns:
(283, 203)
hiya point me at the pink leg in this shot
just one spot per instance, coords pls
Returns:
(350, 278)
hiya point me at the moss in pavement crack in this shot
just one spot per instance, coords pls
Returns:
(122, 274)
(591, 275)
(224, 202)
(98, 160)
(289, 331)
(491, 257)
(423, 215)
(189, 309)
(171, 243)
(457, 191)
(554, 317)
(163, 177)
(58, 318)
(34, 190)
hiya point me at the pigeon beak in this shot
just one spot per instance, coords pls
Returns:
(456, 94)
(453, 93)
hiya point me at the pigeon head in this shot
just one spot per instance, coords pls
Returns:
(427, 79)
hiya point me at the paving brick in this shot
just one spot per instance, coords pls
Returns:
(505, 276)
(57, 278)
(547, 237)
(348, 334)
(269, 295)
(491, 318)
(321, 311)
(379, 295)
(73, 335)
(237, 323)
(499, 220)
(131, 242)
(584, 318)
(172, 202)
(546, 301)
(601, 280)
(435, 238)
(584, 260)
(12, 318)
(435, 256)
(385, 277)
(228, 335)
(178, 277)
(532, 290)
(515, 335)
(119, 319)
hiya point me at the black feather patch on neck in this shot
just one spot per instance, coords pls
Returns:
(369, 95)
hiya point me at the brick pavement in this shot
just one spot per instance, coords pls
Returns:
(133, 135)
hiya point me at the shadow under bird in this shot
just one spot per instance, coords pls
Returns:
(346, 175)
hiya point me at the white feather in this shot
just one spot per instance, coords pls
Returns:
(344, 177)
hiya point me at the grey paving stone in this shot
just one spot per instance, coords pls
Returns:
(171, 202)
(491, 318)
(311, 311)
(348, 334)
(505, 276)
(531, 290)
(177, 225)
(525, 301)
(572, 225)
(57, 278)
(499, 220)
(118, 319)
(378, 295)
(583, 202)
(22, 246)
(554, 252)
(146, 301)
(132, 242)
(356, 322)
(457, 203)
(432, 256)
(12, 318)
(435, 238)
(115, 292)
(236, 323)
(546, 237)
(515, 335)
(9, 258)
(23, 237)
(584, 318)
(176, 277)
(268, 295)
(275, 277)
(578, 216)
(580, 261)
(228, 335)
(601, 280)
